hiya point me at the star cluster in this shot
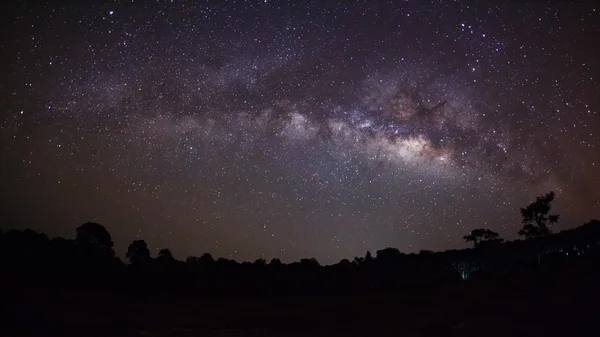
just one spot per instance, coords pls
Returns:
(304, 128)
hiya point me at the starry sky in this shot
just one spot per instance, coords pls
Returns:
(297, 129)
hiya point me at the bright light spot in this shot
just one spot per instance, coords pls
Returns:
(365, 124)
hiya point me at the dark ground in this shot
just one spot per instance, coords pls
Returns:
(564, 302)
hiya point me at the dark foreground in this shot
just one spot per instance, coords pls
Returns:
(563, 302)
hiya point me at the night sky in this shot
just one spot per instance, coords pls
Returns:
(297, 129)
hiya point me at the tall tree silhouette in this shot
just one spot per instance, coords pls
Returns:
(95, 239)
(368, 257)
(482, 236)
(138, 252)
(536, 217)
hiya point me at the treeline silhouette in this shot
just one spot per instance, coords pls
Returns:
(89, 261)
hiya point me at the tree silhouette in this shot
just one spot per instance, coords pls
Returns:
(192, 260)
(22, 252)
(368, 257)
(165, 255)
(95, 239)
(344, 263)
(482, 236)
(358, 260)
(311, 263)
(388, 255)
(138, 252)
(206, 259)
(536, 218)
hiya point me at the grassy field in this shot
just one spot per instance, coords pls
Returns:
(561, 303)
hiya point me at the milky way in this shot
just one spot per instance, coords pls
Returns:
(296, 129)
